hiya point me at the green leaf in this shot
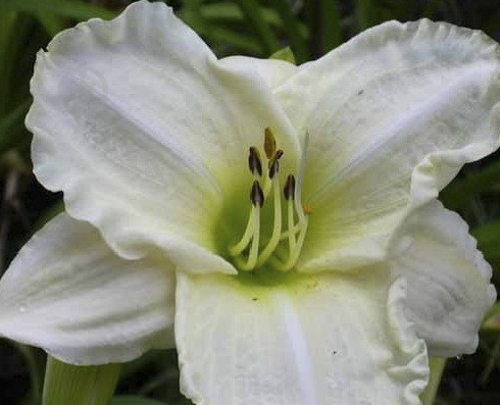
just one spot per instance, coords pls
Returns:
(493, 23)
(461, 191)
(231, 12)
(50, 213)
(325, 25)
(12, 127)
(34, 371)
(449, 9)
(51, 22)
(285, 54)
(241, 41)
(224, 13)
(217, 34)
(331, 31)
(488, 240)
(492, 320)
(79, 385)
(493, 358)
(254, 16)
(365, 10)
(77, 9)
(10, 33)
(291, 25)
(133, 400)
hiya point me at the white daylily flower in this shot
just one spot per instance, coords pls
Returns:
(331, 282)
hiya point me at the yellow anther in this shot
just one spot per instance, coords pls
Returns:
(269, 142)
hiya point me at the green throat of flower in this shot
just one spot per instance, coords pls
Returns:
(281, 249)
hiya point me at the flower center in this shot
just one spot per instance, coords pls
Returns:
(282, 248)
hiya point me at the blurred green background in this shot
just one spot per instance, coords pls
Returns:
(250, 27)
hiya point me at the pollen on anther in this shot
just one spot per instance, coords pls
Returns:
(254, 162)
(256, 194)
(269, 142)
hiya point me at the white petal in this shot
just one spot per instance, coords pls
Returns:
(392, 116)
(321, 340)
(68, 293)
(448, 278)
(274, 72)
(144, 131)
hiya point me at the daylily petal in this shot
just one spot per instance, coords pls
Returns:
(449, 280)
(392, 116)
(322, 339)
(143, 129)
(274, 72)
(68, 293)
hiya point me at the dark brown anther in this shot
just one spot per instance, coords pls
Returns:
(269, 143)
(254, 163)
(290, 188)
(274, 165)
(274, 168)
(278, 154)
(256, 194)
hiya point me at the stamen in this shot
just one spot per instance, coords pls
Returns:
(247, 236)
(267, 186)
(290, 197)
(254, 248)
(273, 166)
(277, 156)
(289, 190)
(295, 190)
(254, 162)
(257, 199)
(257, 195)
(294, 230)
(297, 214)
(269, 142)
(294, 254)
(300, 181)
(275, 236)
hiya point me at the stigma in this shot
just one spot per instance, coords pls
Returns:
(282, 248)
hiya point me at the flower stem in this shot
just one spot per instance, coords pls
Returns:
(437, 365)
(79, 385)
